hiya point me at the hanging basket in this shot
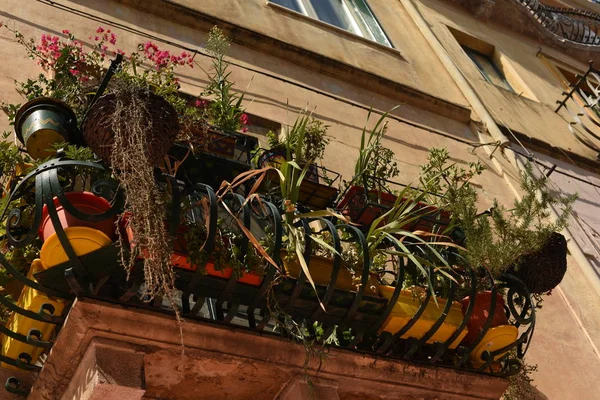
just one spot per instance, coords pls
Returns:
(544, 269)
(162, 127)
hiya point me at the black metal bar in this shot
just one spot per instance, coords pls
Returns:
(114, 66)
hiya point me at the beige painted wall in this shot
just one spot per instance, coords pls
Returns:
(531, 113)
(278, 98)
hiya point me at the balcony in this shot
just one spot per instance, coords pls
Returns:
(240, 334)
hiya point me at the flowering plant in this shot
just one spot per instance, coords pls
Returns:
(72, 72)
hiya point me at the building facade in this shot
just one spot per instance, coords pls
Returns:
(481, 78)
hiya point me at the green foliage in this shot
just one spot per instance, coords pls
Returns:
(227, 252)
(314, 141)
(495, 239)
(375, 163)
(225, 110)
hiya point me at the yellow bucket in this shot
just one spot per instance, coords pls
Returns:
(32, 300)
(406, 307)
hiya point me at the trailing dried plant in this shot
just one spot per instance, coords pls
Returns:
(145, 203)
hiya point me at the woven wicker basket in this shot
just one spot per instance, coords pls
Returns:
(163, 126)
(544, 269)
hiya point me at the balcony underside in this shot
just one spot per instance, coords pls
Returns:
(108, 351)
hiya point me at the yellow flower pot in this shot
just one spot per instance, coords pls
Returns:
(32, 300)
(494, 339)
(320, 270)
(406, 307)
(84, 240)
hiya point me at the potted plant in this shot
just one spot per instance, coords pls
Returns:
(497, 239)
(42, 122)
(303, 144)
(212, 145)
(57, 98)
(224, 111)
(369, 194)
(231, 254)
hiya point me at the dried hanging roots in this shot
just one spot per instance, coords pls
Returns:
(145, 204)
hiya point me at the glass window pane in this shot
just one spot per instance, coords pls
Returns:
(331, 11)
(291, 4)
(369, 20)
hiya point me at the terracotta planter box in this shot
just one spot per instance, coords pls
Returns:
(179, 259)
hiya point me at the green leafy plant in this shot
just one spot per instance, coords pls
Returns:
(375, 163)
(227, 251)
(314, 141)
(496, 238)
(225, 109)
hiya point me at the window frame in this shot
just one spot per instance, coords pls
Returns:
(471, 53)
(358, 26)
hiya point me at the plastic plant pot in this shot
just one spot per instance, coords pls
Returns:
(85, 202)
(408, 305)
(84, 240)
(179, 259)
(320, 269)
(481, 311)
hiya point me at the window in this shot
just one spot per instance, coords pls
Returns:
(351, 15)
(488, 68)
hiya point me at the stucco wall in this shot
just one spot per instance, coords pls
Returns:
(277, 88)
(275, 96)
(530, 113)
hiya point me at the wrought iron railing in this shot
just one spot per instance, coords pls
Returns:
(582, 104)
(575, 25)
(358, 316)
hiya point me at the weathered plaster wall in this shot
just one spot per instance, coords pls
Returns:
(531, 113)
(277, 96)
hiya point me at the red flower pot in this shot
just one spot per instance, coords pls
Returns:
(85, 202)
(481, 311)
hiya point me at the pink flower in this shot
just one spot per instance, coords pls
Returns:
(96, 38)
(100, 29)
(74, 72)
(244, 130)
(201, 103)
(244, 119)
(66, 31)
(113, 39)
(121, 52)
